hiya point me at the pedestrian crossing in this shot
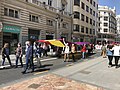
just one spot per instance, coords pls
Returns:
(35, 61)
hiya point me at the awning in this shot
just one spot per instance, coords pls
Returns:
(57, 43)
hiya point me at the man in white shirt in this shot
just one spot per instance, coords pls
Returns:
(116, 54)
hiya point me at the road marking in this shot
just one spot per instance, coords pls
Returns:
(13, 62)
(40, 72)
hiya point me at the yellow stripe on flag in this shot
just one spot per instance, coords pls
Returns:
(56, 43)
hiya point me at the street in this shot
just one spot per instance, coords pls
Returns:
(9, 75)
(92, 70)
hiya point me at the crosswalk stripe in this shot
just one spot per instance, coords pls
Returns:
(42, 60)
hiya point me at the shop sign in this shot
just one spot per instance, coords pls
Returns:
(12, 29)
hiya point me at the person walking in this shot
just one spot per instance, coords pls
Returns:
(110, 55)
(116, 54)
(103, 51)
(5, 54)
(73, 52)
(66, 52)
(45, 48)
(18, 55)
(29, 58)
(83, 51)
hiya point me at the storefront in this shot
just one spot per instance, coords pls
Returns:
(49, 36)
(11, 35)
(33, 34)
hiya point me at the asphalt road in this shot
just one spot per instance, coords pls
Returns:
(9, 75)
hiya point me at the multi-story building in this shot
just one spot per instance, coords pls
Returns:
(26, 19)
(118, 28)
(85, 20)
(107, 24)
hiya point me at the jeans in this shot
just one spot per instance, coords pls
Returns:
(7, 56)
(17, 57)
(83, 55)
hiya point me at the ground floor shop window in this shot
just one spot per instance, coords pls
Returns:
(12, 39)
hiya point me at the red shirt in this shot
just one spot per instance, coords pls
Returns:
(84, 49)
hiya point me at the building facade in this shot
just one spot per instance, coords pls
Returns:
(107, 25)
(85, 20)
(26, 19)
(118, 28)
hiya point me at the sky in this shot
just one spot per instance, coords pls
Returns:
(111, 3)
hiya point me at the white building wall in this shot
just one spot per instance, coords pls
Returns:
(105, 11)
(57, 4)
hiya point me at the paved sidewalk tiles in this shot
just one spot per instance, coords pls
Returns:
(50, 82)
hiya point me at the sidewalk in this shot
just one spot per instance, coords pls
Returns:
(50, 82)
(55, 81)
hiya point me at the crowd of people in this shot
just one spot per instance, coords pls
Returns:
(111, 51)
(31, 51)
(38, 50)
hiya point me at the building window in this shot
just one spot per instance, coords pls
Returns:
(91, 1)
(65, 25)
(50, 2)
(97, 6)
(90, 11)
(97, 15)
(87, 8)
(90, 31)
(94, 3)
(34, 1)
(87, 19)
(33, 18)
(76, 27)
(86, 30)
(77, 2)
(90, 21)
(105, 30)
(82, 17)
(93, 13)
(82, 29)
(11, 13)
(76, 15)
(106, 24)
(105, 18)
(16, 14)
(93, 31)
(93, 22)
(98, 30)
(49, 22)
(82, 5)
(5, 11)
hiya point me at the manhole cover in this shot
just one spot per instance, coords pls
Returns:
(34, 86)
(85, 72)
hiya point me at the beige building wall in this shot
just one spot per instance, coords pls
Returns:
(44, 13)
